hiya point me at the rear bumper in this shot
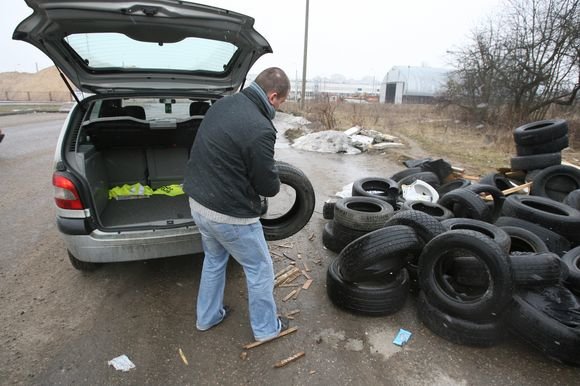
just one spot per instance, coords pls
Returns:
(108, 247)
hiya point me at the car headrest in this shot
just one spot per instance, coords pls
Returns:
(111, 108)
(134, 111)
(198, 108)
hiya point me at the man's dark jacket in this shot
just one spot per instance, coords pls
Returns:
(232, 158)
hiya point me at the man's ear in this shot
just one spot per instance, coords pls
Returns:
(272, 96)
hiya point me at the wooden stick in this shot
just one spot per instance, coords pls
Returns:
(276, 253)
(510, 190)
(293, 312)
(183, 358)
(285, 276)
(306, 267)
(307, 284)
(284, 245)
(297, 293)
(292, 277)
(311, 237)
(306, 275)
(283, 333)
(292, 358)
(292, 293)
(288, 257)
(283, 271)
(289, 285)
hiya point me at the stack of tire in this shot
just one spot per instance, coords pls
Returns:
(539, 144)
(473, 284)
(480, 268)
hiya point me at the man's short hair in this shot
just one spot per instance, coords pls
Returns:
(273, 79)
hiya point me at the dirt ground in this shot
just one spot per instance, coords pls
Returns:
(60, 326)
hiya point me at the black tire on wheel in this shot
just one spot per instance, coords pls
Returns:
(362, 213)
(490, 230)
(457, 330)
(452, 185)
(572, 261)
(84, 266)
(537, 269)
(523, 240)
(550, 214)
(536, 161)
(555, 242)
(428, 177)
(299, 214)
(554, 146)
(375, 298)
(384, 189)
(466, 203)
(537, 133)
(573, 199)
(547, 319)
(437, 211)
(379, 254)
(440, 252)
(556, 182)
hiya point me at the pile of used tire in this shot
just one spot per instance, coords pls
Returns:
(480, 268)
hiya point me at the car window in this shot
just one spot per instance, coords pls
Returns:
(115, 50)
(150, 109)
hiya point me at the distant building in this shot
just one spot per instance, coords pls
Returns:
(408, 84)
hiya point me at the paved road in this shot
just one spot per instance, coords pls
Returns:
(59, 326)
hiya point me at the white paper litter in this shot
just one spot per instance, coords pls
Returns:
(122, 363)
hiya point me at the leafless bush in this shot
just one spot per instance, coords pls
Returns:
(518, 66)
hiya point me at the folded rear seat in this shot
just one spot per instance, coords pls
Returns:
(166, 165)
(125, 166)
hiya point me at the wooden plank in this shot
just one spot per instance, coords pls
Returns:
(307, 284)
(282, 278)
(283, 271)
(306, 267)
(290, 359)
(292, 277)
(290, 295)
(297, 293)
(283, 333)
(510, 190)
(293, 312)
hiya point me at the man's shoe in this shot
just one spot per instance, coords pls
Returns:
(284, 323)
(227, 311)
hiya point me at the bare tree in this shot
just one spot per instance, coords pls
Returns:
(520, 64)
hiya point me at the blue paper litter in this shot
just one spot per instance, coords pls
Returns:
(402, 337)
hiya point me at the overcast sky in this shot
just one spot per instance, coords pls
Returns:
(353, 38)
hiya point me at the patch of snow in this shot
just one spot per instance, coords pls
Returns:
(352, 131)
(330, 141)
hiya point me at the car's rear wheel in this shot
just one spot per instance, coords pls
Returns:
(82, 265)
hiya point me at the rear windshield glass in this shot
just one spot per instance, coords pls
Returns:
(115, 50)
(151, 109)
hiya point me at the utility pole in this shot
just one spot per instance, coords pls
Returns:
(305, 56)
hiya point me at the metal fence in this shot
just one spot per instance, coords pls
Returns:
(36, 96)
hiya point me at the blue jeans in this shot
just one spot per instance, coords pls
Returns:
(246, 244)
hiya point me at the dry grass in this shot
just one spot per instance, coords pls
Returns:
(439, 133)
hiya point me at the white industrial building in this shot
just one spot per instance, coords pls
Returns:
(408, 84)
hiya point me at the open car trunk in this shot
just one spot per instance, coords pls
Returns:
(117, 151)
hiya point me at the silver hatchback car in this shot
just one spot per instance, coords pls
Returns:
(152, 68)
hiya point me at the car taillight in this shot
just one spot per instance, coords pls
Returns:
(65, 193)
